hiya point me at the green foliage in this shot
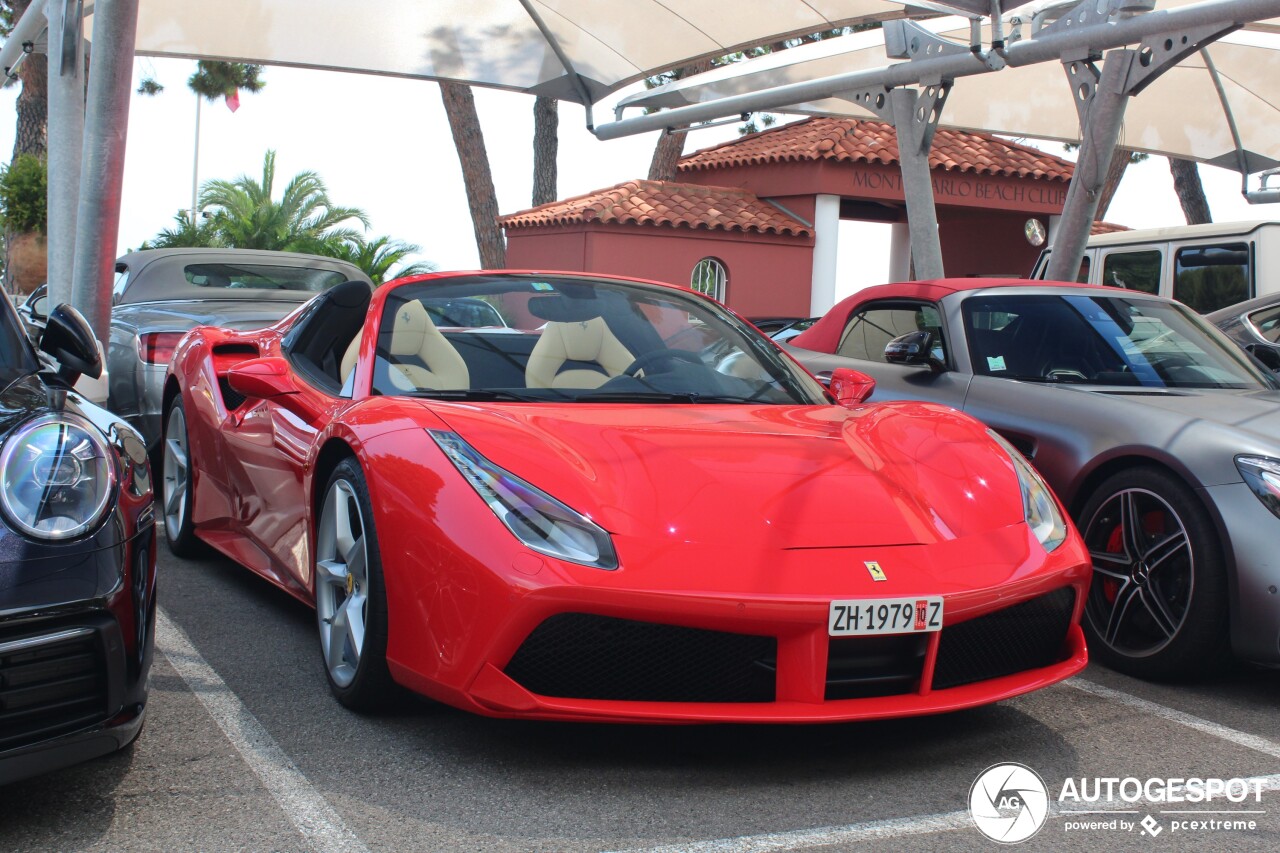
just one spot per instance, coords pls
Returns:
(214, 80)
(304, 219)
(186, 235)
(149, 86)
(376, 258)
(24, 189)
(242, 214)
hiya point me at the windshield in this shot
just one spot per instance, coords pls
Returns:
(569, 339)
(1101, 340)
(17, 358)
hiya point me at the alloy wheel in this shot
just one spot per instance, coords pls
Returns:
(1144, 572)
(176, 473)
(342, 582)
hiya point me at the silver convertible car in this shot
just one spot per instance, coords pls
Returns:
(1160, 436)
(159, 294)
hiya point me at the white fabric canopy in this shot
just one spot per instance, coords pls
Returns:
(536, 46)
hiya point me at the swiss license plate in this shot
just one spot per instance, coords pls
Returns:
(864, 616)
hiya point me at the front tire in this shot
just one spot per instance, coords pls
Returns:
(176, 469)
(1157, 607)
(351, 600)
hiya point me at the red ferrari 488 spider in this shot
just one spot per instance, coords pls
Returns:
(566, 496)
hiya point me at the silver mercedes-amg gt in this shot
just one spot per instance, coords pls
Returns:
(1161, 438)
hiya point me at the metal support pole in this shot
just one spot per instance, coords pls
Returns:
(114, 31)
(917, 182)
(195, 167)
(66, 138)
(1105, 100)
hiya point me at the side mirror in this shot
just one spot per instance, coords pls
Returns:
(68, 338)
(37, 303)
(262, 378)
(912, 348)
(850, 387)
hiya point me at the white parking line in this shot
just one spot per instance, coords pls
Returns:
(1257, 744)
(925, 824)
(306, 808)
(880, 830)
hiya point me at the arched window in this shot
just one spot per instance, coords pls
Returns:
(710, 277)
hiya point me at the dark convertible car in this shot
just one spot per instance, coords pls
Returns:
(77, 558)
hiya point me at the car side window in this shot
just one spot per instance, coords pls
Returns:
(1267, 323)
(1133, 270)
(872, 327)
(1206, 278)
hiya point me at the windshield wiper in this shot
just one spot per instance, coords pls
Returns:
(472, 394)
(656, 397)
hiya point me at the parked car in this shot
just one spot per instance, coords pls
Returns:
(790, 330)
(1255, 326)
(77, 558)
(591, 518)
(1160, 437)
(1206, 266)
(159, 294)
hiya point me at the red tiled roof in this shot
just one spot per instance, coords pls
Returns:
(664, 203)
(865, 140)
(1100, 227)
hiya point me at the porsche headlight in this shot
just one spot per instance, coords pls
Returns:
(1038, 504)
(58, 475)
(534, 517)
(1263, 476)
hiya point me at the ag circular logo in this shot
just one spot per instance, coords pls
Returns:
(1009, 803)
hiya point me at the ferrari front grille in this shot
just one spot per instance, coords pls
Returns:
(1025, 636)
(861, 667)
(50, 684)
(584, 656)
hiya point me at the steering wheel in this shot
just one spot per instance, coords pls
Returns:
(660, 355)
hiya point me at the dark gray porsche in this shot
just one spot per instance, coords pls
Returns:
(1159, 435)
(77, 557)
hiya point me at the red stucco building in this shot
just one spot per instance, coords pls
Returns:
(756, 220)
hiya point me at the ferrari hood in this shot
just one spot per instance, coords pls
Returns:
(757, 476)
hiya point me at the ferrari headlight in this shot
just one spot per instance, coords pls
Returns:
(58, 476)
(1263, 476)
(1038, 504)
(534, 517)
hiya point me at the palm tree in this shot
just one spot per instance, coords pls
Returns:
(245, 216)
(376, 258)
(185, 235)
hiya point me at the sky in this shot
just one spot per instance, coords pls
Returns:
(382, 144)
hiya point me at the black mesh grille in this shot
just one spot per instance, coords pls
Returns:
(231, 398)
(50, 688)
(858, 667)
(582, 656)
(1025, 636)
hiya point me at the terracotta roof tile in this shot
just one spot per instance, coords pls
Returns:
(864, 140)
(665, 203)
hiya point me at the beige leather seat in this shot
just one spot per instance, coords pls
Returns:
(589, 342)
(417, 357)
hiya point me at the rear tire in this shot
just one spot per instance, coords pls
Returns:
(351, 599)
(1157, 607)
(176, 469)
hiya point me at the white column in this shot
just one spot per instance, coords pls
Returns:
(900, 252)
(826, 242)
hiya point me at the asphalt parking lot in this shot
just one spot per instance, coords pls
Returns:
(245, 750)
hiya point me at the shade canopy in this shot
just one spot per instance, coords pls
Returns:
(1187, 112)
(577, 50)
